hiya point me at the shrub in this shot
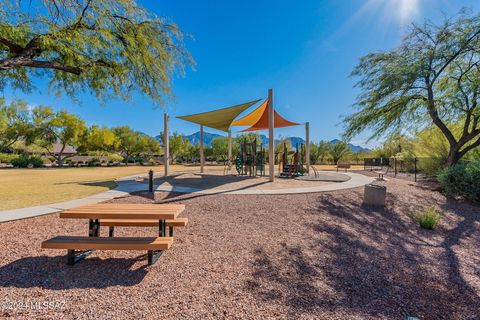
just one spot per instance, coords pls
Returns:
(427, 218)
(462, 180)
(8, 157)
(94, 162)
(25, 161)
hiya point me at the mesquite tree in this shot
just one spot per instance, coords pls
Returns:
(433, 77)
(107, 47)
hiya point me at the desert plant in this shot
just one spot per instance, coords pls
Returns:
(8, 157)
(462, 180)
(427, 218)
(25, 161)
(93, 162)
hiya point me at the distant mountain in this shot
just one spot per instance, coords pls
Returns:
(194, 138)
(293, 140)
(352, 147)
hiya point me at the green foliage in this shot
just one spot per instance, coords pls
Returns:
(462, 180)
(14, 122)
(8, 157)
(25, 161)
(178, 146)
(432, 77)
(133, 144)
(220, 148)
(99, 139)
(338, 151)
(427, 218)
(108, 47)
(56, 127)
(319, 152)
(247, 138)
(94, 162)
(114, 158)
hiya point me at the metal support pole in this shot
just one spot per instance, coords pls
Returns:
(271, 142)
(166, 145)
(307, 145)
(202, 155)
(229, 150)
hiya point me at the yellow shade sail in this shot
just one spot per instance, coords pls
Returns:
(220, 119)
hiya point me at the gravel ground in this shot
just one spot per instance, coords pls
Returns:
(312, 256)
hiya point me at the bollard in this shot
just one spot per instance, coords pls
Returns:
(150, 181)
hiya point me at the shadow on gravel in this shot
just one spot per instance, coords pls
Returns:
(53, 273)
(368, 262)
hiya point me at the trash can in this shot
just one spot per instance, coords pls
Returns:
(374, 195)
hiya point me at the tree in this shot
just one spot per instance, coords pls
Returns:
(319, 151)
(60, 128)
(247, 138)
(100, 139)
(108, 47)
(178, 146)
(14, 122)
(431, 78)
(220, 148)
(149, 147)
(338, 151)
(131, 143)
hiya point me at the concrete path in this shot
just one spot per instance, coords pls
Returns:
(356, 180)
(130, 184)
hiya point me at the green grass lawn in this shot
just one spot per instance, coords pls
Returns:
(21, 188)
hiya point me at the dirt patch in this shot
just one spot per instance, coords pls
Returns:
(307, 256)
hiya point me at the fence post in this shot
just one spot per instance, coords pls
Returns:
(415, 163)
(150, 181)
(395, 165)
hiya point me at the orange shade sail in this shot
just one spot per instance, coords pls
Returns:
(253, 117)
(258, 119)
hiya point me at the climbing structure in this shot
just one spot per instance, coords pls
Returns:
(250, 159)
(292, 163)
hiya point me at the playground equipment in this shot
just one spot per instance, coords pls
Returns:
(291, 165)
(251, 159)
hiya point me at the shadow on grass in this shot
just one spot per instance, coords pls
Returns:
(53, 273)
(368, 263)
(110, 184)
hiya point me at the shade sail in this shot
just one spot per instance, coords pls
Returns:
(220, 119)
(253, 117)
(260, 116)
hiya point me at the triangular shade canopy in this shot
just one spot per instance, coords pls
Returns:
(220, 119)
(258, 119)
(252, 118)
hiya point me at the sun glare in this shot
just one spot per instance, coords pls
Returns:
(408, 9)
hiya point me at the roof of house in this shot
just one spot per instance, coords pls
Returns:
(57, 147)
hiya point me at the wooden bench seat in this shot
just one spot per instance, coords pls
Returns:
(153, 245)
(171, 223)
(381, 174)
(343, 166)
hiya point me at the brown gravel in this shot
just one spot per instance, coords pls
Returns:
(312, 256)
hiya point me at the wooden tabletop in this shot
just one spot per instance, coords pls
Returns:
(124, 211)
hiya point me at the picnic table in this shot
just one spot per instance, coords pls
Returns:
(119, 214)
(95, 212)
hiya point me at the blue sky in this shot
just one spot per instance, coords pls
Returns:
(304, 50)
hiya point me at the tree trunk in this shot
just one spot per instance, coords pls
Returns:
(453, 156)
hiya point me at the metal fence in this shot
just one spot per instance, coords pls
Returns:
(411, 168)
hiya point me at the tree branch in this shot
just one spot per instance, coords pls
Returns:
(470, 147)
(12, 46)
